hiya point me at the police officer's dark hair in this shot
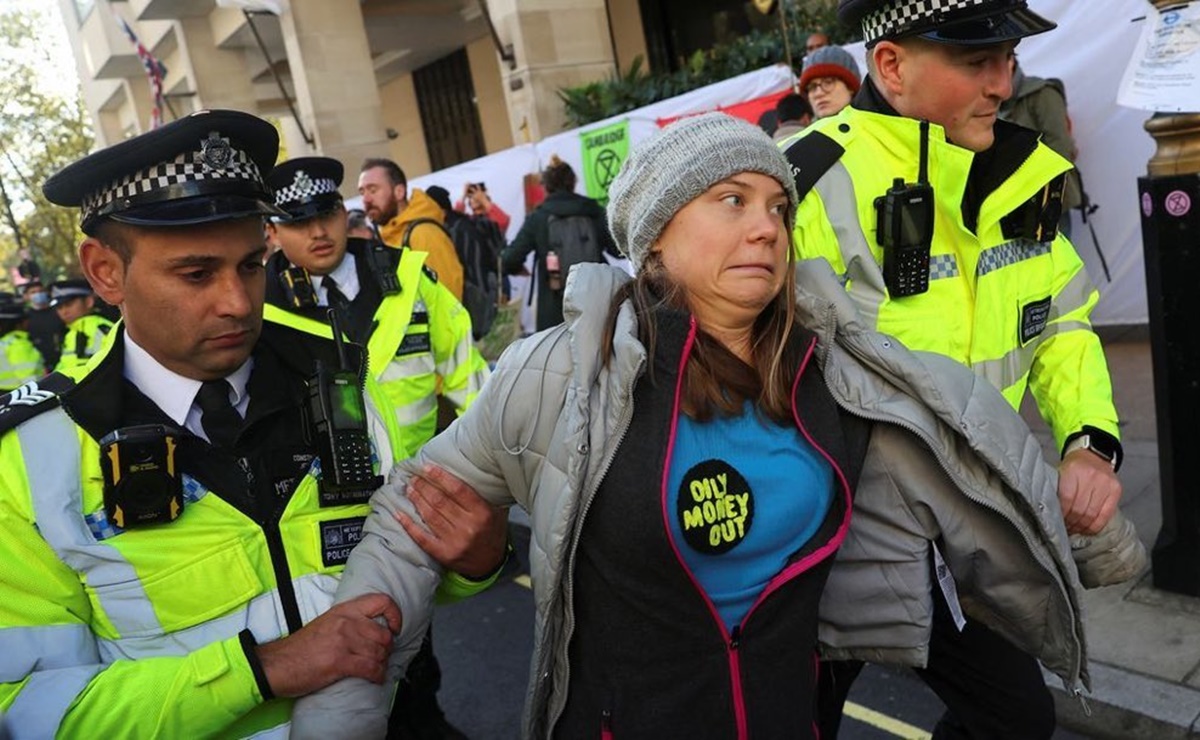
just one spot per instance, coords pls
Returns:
(792, 107)
(394, 173)
(558, 177)
(115, 236)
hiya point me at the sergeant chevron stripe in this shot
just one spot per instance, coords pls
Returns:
(29, 395)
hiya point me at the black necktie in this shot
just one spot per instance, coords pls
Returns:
(334, 295)
(337, 300)
(219, 418)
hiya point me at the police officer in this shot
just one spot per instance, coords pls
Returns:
(174, 524)
(20, 362)
(75, 304)
(419, 345)
(942, 223)
(45, 328)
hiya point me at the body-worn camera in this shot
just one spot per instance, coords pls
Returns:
(142, 484)
(380, 263)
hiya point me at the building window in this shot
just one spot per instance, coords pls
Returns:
(449, 116)
(676, 29)
(83, 8)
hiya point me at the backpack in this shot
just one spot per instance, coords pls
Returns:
(480, 258)
(574, 240)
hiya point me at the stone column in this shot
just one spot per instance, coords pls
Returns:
(337, 98)
(218, 75)
(556, 44)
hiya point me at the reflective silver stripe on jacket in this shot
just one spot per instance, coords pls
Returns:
(263, 616)
(865, 279)
(57, 494)
(26, 649)
(43, 701)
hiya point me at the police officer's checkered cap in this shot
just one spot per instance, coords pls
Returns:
(672, 168)
(187, 167)
(304, 188)
(204, 167)
(898, 16)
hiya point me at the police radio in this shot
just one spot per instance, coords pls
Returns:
(338, 416)
(298, 287)
(141, 482)
(904, 228)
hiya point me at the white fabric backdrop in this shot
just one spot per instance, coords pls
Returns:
(503, 172)
(1088, 51)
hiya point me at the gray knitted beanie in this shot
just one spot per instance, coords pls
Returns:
(666, 172)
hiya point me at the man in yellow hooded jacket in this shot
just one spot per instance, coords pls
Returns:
(393, 208)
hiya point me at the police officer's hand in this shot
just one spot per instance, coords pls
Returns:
(462, 531)
(1088, 491)
(345, 642)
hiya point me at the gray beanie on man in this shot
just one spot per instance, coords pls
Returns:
(666, 172)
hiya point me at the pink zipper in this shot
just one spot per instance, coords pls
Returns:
(733, 640)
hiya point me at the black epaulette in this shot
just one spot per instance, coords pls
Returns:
(31, 399)
(810, 158)
(429, 272)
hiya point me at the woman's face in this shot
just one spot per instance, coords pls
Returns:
(728, 249)
(827, 96)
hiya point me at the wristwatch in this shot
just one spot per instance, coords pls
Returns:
(1097, 442)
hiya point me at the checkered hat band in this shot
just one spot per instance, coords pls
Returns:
(165, 177)
(304, 189)
(899, 16)
(57, 294)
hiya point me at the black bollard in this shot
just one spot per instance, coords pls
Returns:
(1171, 239)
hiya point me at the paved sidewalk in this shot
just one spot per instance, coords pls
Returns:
(1144, 643)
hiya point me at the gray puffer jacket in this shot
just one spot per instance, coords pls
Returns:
(526, 441)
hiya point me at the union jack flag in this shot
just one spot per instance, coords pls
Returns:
(155, 72)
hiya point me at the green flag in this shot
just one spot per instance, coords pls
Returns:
(604, 149)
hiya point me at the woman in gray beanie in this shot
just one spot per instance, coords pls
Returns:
(686, 472)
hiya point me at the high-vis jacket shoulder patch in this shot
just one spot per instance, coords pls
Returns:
(31, 399)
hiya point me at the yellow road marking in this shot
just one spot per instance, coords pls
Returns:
(523, 580)
(883, 722)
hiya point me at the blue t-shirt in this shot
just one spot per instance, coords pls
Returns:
(744, 494)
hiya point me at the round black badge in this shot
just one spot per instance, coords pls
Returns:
(715, 507)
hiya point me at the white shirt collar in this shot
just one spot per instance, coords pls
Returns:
(346, 276)
(170, 391)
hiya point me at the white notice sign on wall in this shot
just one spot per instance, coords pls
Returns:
(1164, 72)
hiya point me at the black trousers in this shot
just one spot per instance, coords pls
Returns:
(990, 687)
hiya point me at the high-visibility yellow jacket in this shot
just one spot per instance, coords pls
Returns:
(140, 632)
(82, 340)
(1012, 308)
(419, 343)
(20, 361)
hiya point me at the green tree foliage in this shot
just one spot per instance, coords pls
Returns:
(40, 132)
(634, 88)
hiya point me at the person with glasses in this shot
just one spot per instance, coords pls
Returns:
(829, 80)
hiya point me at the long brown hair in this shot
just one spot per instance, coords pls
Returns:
(716, 381)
